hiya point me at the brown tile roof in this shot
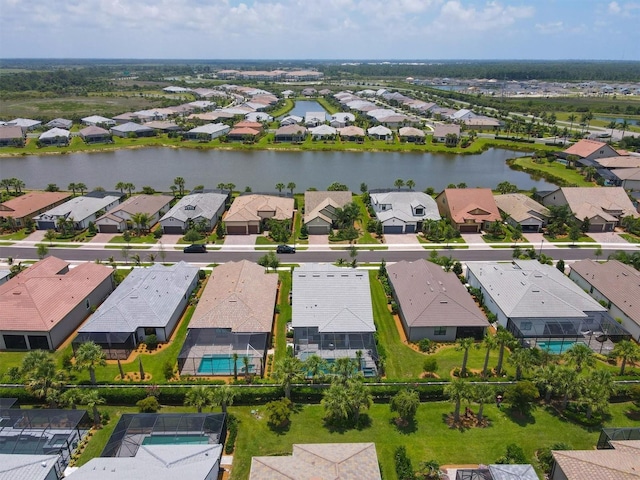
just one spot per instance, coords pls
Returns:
(618, 282)
(149, 204)
(312, 199)
(246, 207)
(588, 202)
(92, 131)
(475, 204)
(42, 295)
(31, 203)
(520, 207)
(248, 124)
(431, 297)
(351, 131)
(622, 161)
(584, 148)
(441, 130)
(320, 461)
(10, 132)
(291, 130)
(239, 296)
(244, 131)
(621, 463)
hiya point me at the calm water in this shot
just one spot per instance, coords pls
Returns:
(262, 170)
(304, 106)
(630, 121)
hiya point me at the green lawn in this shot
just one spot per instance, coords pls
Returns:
(553, 171)
(630, 237)
(19, 235)
(566, 239)
(135, 239)
(284, 316)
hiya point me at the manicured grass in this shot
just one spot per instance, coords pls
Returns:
(287, 107)
(553, 170)
(566, 239)
(431, 439)
(8, 360)
(19, 235)
(134, 239)
(284, 316)
(630, 237)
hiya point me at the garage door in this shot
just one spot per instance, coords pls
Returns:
(530, 228)
(410, 229)
(172, 230)
(254, 229)
(108, 228)
(236, 230)
(46, 225)
(392, 229)
(318, 230)
(468, 229)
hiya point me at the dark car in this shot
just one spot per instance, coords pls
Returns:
(285, 249)
(195, 248)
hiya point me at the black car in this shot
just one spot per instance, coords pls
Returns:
(285, 249)
(195, 248)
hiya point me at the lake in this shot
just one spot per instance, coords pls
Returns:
(262, 169)
(303, 106)
(630, 121)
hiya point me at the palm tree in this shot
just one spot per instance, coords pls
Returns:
(136, 259)
(504, 338)
(597, 388)
(6, 183)
(151, 257)
(50, 235)
(141, 221)
(279, 187)
(121, 186)
(624, 125)
(522, 359)
(199, 397)
(464, 344)
(245, 365)
(234, 357)
(627, 351)
(223, 396)
(590, 172)
(612, 125)
(344, 368)
(92, 398)
(291, 186)
(457, 390)
(359, 356)
(544, 378)
(89, 355)
(489, 342)
(399, 183)
(287, 371)
(482, 393)
(179, 182)
(315, 367)
(129, 187)
(336, 403)
(581, 356)
(567, 384)
(45, 381)
(410, 183)
(571, 118)
(18, 184)
(72, 186)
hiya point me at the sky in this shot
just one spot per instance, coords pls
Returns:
(321, 29)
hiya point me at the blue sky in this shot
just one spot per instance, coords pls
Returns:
(321, 29)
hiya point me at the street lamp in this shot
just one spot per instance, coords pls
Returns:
(541, 243)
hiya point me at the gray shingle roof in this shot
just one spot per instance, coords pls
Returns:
(148, 297)
(402, 203)
(55, 132)
(331, 298)
(80, 208)
(205, 205)
(130, 127)
(526, 288)
(26, 467)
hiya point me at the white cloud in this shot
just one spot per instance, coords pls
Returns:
(626, 9)
(550, 27)
(454, 16)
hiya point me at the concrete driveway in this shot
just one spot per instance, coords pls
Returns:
(102, 237)
(36, 236)
(607, 237)
(318, 239)
(240, 240)
(401, 239)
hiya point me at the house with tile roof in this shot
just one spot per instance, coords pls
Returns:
(131, 129)
(619, 463)
(603, 207)
(616, 284)
(149, 301)
(234, 315)
(11, 135)
(41, 306)
(97, 120)
(118, 219)
(248, 213)
(321, 461)
(60, 123)
(469, 209)
(193, 209)
(323, 132)
(332, 315)
(441, 130)
(26, 124)
(351, 133)
(537, 303)
(209, 131)
(81, 209)
(380, 132)
(628, 178)
(30, 204)
(523, 210)
(291, 133)
(402, 211)
(433, 303)
(320, 209)
(241, 134)
(95, 134)
(589, 149)
(342, 119)
(411, 135)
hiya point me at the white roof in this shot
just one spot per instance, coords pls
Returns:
(343, 117)
(26, 467)
(331, 298)
(80, 208)
(379, 130)
(202, 104)
(131, 127)
(148, 297)
(173, 89)
(258, 117)
(381, 113)
(211, 128)
(24, 122)
(323, 130)
(196, 205)
(315, 116)
(527, 288)
(402, 205)
(55, 132)
(97, 119)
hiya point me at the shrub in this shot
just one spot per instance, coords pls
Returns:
(148, 405)
(151, 341)
(513, 455)
(545, 458)
(157, 233)
(404, 469)
(65, 360)
(279, 413)
(232, 430)
(426, 345)
(430, 365)
(105, 417)
(394, 308)
(168, 370)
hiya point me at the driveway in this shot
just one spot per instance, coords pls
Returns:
(607, 237)
(240, 240)
(472, 238)
(36, 236)
(318, 239)
(169, 239)
(401, 239)
(102, 237)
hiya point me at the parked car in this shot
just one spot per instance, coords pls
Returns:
(195, 248)
(285, 249)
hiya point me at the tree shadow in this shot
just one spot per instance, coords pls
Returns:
(633, 414)
(364, 421)
(447, 418)
(521, 418)
(280, 429)
(405, 427)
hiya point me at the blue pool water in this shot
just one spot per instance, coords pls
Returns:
(556, 346)
(220, 365)
(176, 440)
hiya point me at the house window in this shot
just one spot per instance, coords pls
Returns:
(88, 304)
(440, 331)
(419, 211)
(525, 326)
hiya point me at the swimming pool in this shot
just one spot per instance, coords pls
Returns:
(556, 346)
(221, 365)
(176, 440)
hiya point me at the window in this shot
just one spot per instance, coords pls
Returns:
(419, 211)
(525, 326)
(88, 304)
(440, 331)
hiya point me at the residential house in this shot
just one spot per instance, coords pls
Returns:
(258, 117)
(30, 204)
(81, 210)
(29, 467)
(615, 284)
(589, 149)
(403, 212)
(11, 136)
(332, 316)
(380, 132)
(309, 92)
(619, 161)
(291, 120)
(131, 129)
(433, 303)
(342, 119)
(55, 136)
(523, 210)
(411, 135)
(313, 119)
(5, 275)
(291, 133)
(540, 306)
(95, 134)
(320, 209)
(60, 123)
(209, 131)
(469, 209)
(241, 134)
(234, 316)
(345, 461)
(149, 301)
(628, 178)
(603, 207)
(482, 123)
(163, 126)
(248, 124)
(41, 306)
(118, 219)
(97, 120)
(497, 472)
(26, 124)
(130, 117)
(193, 209)
(152, 445)
(441, 130)
(619, 462)
(351, 134)
(322, 132)
(248, 213)
(397, 121)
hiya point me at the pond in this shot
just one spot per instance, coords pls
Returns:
(630, 121)
(302, 107)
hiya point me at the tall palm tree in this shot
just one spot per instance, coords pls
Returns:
(6, 183)
(410, 183)
(279, 187)
(522, 359)
(223, 396)
(121, 186)
(291, 186)
(72, 186)
(43, 379)
(92, 398)
(179, 182)
(245, 365)
(90, 355)
(612, 125)
(18, 184)
(489, 343)
(129, 187)
(571, 118)
(581, 356)
(287, 371)
(504, 338)
(624, 125)
(482, 393)
(457, 390)
(597, 388)
(627, 351)
(464, 344)
(544, 379)
(566, 383)
(234, 357)
(82, 187)
(141, 221)
(199, 397)
(399, 183)
(315, 367)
